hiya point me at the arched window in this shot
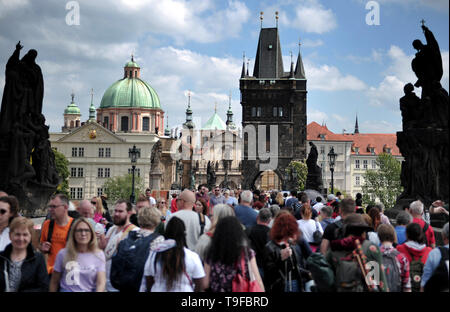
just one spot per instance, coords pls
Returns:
(72, 124)
(124, 123)
(77, 123)
(106, 122)
(135, 73)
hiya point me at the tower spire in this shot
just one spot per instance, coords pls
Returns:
(276, 17)
(243, 65)
(92, 107)
(261, 17)
(230, 124)
(73, 96)
(189, 123)
(356, 125)
(299, 69)
(248, 65)
(291, 74)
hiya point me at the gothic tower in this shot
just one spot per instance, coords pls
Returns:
(277, 100)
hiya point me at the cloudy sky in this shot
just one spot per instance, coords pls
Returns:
(352, 67)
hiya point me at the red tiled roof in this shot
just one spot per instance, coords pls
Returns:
(380, 141)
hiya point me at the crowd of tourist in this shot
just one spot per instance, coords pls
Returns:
(222, 241)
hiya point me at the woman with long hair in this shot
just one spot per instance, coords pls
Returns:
(220, 211)
(285, 256)
(22, 269)
(309, 226)
(375, 215)
(223, 260)
(80, 266)
(280, 199)
(162, 206)
(101, 215)
(171, 266)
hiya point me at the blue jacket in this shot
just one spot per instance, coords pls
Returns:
(246, 215)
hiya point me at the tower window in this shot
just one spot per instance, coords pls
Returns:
(145, 124)
(253, 111)
(275, 112)
(258, 112)
(124, 123)
(280, 111)
(105, 121)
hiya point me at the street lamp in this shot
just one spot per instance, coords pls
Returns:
(134, 153)
(332, 159)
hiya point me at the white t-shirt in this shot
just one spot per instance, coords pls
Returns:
(192, 224)
(152, 200)
(111, 247)
(308, 228)
(4, 239)
(194, 269)
(318, 206)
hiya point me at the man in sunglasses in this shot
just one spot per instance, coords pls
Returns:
(55, 231)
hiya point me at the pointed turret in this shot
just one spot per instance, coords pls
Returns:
(268, 61)
(92, 109)
(230, 124)
(72, 116)
(356, 126)
(167, 130)
(291, 74)
(243, 66)
(189, 124)
(299, 69)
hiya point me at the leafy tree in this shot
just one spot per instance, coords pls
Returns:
(302, 172)
(62, 167)
(120, 187)
(383, 184)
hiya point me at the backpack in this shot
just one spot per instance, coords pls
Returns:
(317, 235)
(393, 274)
(348, 277)
(127, 266)
(340, 230)
(416, 271)
(439, 281)
(321, 272)
(51, 226)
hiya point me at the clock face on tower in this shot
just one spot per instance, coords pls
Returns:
(92, 134)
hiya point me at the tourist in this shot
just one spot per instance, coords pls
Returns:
(59, 226)
(258, 236)
(416, 251)
(318, 205)
(216, 198)
(220, 211)
(325, 214)
(416, 210)
(291, 200)
(3, 193)
(397, 276)
(402, 220)
(151, 199)
(122, 226)
(203, 193)
(279, 199)
(244, 211)
(101, 214)
(285, 256)
(9, 207)
(191, 219)
(372, 234)
(229, 246)
(201, 208)
(439, 206)
(162, 206)
(303, 200)
(383, 219)
(230, 199)
(86, 210)
(80, 266)
(171, 266)
(274, 209)
(333, 231)
(173, 203)
(142, 201)
(25, 267)
(435, 271)
(311, 230)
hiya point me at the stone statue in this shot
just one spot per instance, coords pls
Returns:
(314, 177)
(211, 175)
(424, 140)
(27, 162)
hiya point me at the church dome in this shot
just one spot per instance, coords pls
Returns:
(131, 91)
(72, 108)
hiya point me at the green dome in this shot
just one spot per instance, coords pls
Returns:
(72, 109)
(215, 123)
(130, 92)
(132, 64)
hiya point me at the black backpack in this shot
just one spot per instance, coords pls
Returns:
(127, 266)
(439, 281)
(51, 226)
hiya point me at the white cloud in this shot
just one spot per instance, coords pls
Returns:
(440, 5)
(308, 43)
(375, 56)
(316, 115)
(329, 78)
(312, 17)
(380, 126)
(8, 6)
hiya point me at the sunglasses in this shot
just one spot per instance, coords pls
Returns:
(82, 231)
(163, 202)
(93, 203)
(3, 211)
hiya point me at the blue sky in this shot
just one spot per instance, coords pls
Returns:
(352, 68)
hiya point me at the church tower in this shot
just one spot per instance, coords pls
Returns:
(72, 116)
(273, 97)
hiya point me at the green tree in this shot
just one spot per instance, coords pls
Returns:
(383, 184)
(62, 167)
(120, 187)
(302, 172)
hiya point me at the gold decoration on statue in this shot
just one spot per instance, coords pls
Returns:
(92, 134)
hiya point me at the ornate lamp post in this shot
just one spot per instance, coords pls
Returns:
(332, 159)
(134, 153)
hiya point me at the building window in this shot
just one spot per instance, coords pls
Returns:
(99, 191)
(107, 172)
(74, 152)
(322, 150)
(80, 172)
(106, 122)
(145, 124)
(275, 112)
(356, 150)
(357, 180)
(253, 111)
(73, 172)
(365, 164)
(100, 172)
(137, 172)
(124, 123)
(108, 152)
(79, 192)
(101, 152)
(374, 164)
(388, 150)
(258, 112)
(73, 192)
(81, 152)
(357, 164)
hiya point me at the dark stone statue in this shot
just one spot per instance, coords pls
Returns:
(27, 162)
(424, 140)
(314, 177)
(211, 175)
